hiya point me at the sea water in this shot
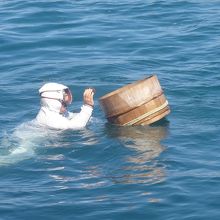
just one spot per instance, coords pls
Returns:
(169, 170)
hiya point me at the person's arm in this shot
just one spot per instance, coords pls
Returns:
(81, 119)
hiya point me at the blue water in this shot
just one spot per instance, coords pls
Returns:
(167, 171)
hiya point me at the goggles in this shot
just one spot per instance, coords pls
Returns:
(65, 101)
(67, 97)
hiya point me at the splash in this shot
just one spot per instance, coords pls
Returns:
(22, 143)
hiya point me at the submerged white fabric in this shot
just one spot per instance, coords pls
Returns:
(52, 119)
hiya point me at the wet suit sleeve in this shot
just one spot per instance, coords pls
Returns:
(81, 119)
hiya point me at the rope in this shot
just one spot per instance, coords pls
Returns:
(146, 114)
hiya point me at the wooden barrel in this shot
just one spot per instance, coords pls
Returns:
(139, 103)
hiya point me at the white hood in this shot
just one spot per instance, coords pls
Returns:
(52, 96)
(51, 104)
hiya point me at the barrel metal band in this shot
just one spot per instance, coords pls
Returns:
(146, 114)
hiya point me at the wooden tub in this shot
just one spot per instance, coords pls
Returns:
(140, 103)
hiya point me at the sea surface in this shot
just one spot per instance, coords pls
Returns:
(166, 171)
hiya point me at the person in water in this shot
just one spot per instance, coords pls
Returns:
(53, 113)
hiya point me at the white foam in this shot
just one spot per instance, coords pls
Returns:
(22, 143)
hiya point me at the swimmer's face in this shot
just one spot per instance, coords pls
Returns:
(62, 109)
(67, 99)
(67, 96)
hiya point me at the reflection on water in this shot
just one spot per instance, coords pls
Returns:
(145, 140)
(142, 164)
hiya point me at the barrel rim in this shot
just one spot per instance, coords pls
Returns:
(125, 87)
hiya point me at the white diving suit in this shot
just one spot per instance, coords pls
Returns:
(55, 97)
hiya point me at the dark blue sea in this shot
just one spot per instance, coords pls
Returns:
(167, 171)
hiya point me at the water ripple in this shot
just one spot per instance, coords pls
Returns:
(104, 171)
